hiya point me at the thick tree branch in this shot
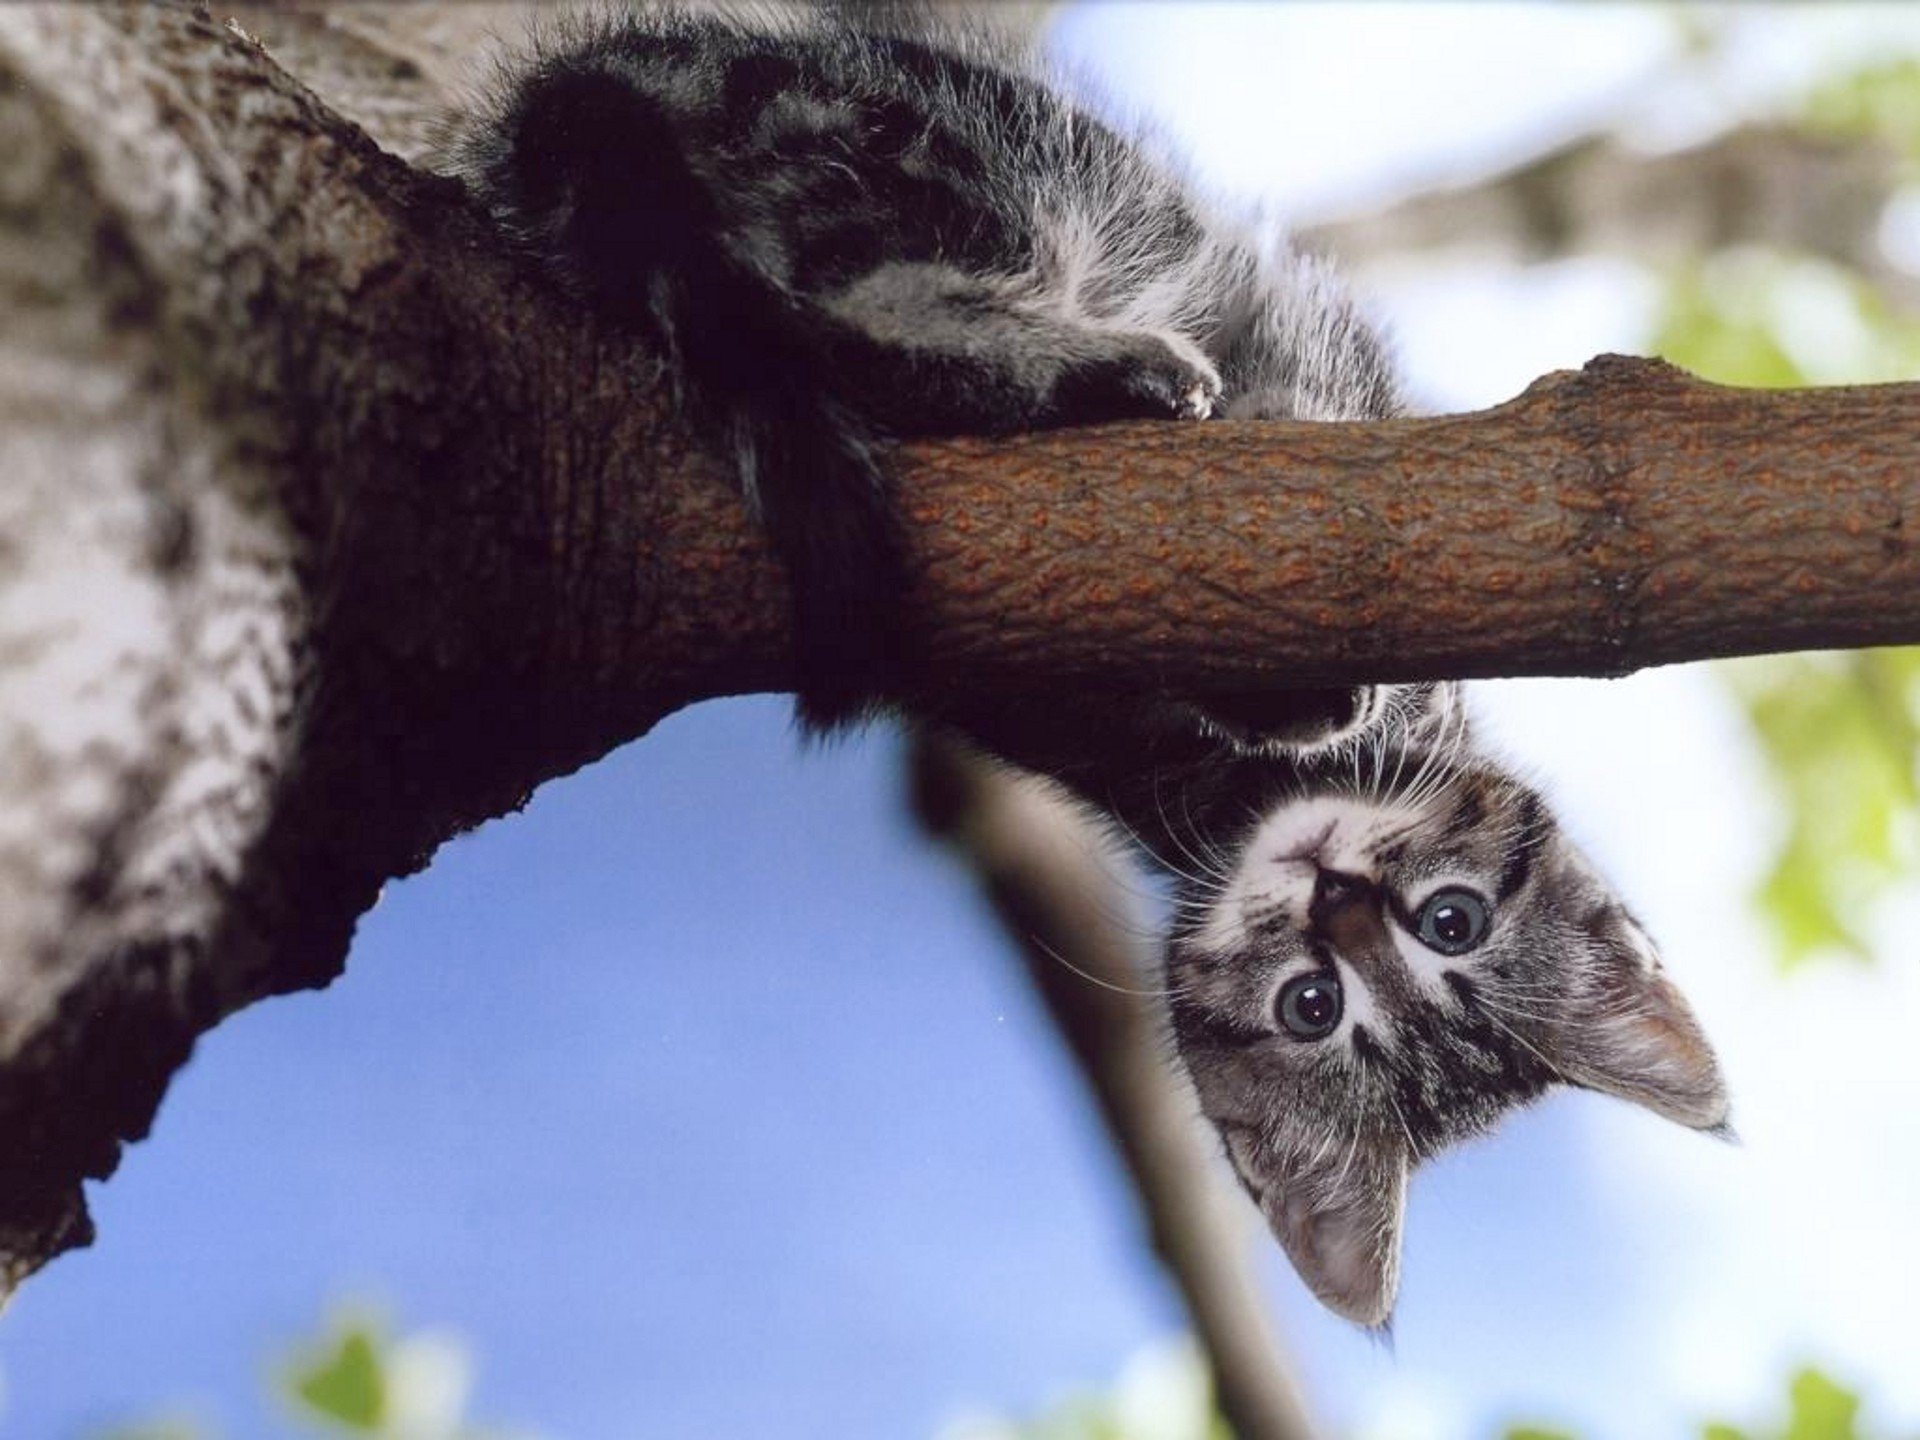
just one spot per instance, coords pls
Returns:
(409, 536)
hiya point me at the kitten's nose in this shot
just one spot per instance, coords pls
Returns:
(1345, 910)
(1335, 890)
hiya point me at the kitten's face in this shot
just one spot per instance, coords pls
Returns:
(1405, 947)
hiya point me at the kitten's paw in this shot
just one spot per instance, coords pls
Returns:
(1294, 720)
(1170, 377)
(1144, 376)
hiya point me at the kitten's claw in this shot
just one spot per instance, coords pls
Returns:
(1145, 376)
(1198, 402)
(1173, 381)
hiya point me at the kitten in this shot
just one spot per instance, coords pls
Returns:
(843, 231)
(1397, 945)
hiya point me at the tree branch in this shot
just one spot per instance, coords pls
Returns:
(1051, 882)
(1760, 184)
(370, 534)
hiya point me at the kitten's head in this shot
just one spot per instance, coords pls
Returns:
(1404, 947)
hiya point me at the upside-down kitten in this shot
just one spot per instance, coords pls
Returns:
(844, 227)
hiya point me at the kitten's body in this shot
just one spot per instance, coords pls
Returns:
(841, 234)
(844, 234)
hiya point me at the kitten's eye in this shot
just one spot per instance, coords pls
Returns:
(1453, 921)
(1309, 1005)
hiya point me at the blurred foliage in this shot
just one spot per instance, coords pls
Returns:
(1755, 317)
(1879, 102)
(1821, 1409)
(358, 1381)
(345, 1381)
(1817, 1409)
(1164, 1393)
(1838, 732)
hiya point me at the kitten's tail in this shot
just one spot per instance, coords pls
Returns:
(593, 170)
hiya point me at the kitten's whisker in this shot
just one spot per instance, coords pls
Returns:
(1166, 824)
(1518, 1039)
(1206, 884)
(1441, 766)
(1399, 766)
(1541, 997)
(1516, 1012)
(1413, 1150)
(1218, 864)
(1346, 1164)
(1100, 980)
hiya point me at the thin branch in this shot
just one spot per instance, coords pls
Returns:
(1050, 880)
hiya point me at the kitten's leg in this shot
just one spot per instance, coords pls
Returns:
(928, 348)
(1256, 721)
(1300, 349)
(599, 158)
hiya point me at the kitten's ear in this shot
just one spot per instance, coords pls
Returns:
(1339, 1221)
(1628, 1031)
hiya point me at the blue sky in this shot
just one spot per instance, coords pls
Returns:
(700, 1098)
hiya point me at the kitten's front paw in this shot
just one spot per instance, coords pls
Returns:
(1146, 376)
(1296, 720)
(1169, 377)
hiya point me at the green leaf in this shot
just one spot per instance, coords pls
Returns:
(1821, 1410)
(1839, 735)
(1717, 323)
(1534, 1432)
(1715, 1430)
(345, 1383)
(1759, 317)
(1164, 1393)
(1879, 102)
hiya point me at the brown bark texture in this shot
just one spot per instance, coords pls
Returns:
(326, 532)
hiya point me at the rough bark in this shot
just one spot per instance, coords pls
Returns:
(327, 533)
